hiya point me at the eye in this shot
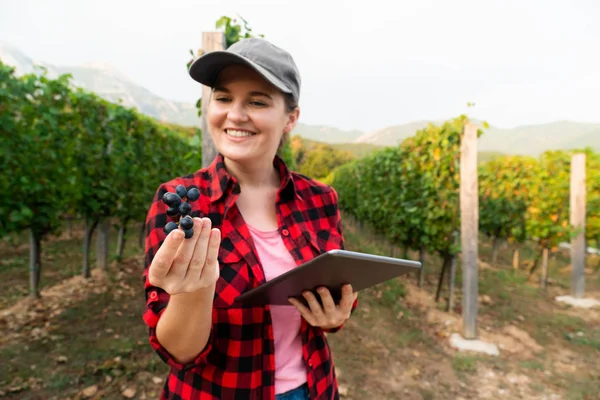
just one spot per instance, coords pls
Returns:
(258, 103)
(222, 99)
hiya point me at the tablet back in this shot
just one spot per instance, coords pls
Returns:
(332, 270)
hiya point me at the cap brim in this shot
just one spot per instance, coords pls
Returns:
(206, 68)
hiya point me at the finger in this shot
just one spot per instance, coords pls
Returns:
(186, 251)
(327, 300)
(161, 264)
(304, 311)
(314, 305)
(195, 264)
(199, 256)
(210, 272)
(347, 298)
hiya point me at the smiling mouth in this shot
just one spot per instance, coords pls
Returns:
(238, 133)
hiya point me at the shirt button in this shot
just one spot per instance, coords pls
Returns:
(153, 295)
(285, 232)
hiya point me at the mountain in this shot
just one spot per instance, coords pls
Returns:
(392, 135)
(535, 139)
(326, 134)
(109, 83)
(106, 81)
(525, 140)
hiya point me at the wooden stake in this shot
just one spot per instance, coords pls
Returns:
(515, 260)
(577, 206)
(469, 212)
(211, 41)
(544, 279)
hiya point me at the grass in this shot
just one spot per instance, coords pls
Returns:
(589, 339)
(427, 394)
(532, 365)
(465, 363)
(551, 327)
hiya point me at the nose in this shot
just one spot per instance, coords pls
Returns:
(237, 112)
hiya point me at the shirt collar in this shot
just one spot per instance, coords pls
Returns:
(220, 178)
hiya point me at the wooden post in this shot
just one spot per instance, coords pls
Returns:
(515, 259)
(544, 278)
(211, 41)
(469, 226)
(578, 211)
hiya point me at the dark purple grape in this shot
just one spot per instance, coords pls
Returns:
(186, 223)
(171, 226)
(189, 233)
(172, 199)
(193, 194)
(181, 191)
(185, 208)
(173, 211)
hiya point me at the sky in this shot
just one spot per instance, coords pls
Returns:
(364, 64)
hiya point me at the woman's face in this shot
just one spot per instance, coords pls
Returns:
(247, 116)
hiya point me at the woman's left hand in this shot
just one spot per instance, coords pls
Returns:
(330, 315)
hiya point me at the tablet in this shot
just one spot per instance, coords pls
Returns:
(332, 269)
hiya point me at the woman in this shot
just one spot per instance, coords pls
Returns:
(253, 221)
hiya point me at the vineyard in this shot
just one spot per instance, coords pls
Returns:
(72, 155)
(410, 195)
(77, 168)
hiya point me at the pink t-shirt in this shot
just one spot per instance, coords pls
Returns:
(290, 370)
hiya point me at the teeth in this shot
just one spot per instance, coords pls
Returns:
(235, 133)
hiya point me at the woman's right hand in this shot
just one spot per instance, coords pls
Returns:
(187, 265)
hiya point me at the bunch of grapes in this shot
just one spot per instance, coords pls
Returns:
(179, 207)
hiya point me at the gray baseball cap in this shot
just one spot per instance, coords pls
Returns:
(273, 63)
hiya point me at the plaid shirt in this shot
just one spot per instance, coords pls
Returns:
(238, 361)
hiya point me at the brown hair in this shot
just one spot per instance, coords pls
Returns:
(290, 105)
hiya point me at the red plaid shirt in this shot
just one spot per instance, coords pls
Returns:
(238, 361)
